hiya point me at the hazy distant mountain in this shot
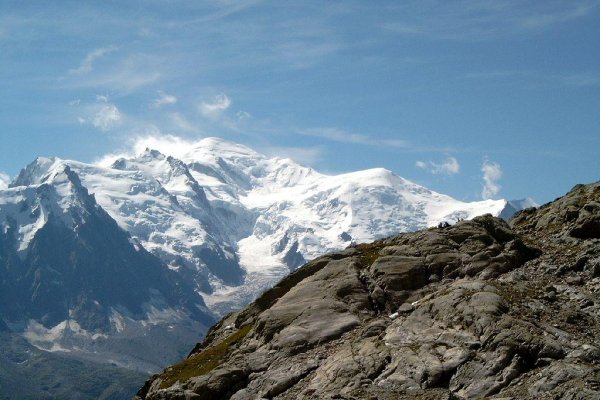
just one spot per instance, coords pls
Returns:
(28, 373)
(513, 206)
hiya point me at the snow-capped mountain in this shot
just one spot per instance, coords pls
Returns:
(73, 281)
(513, 206)
(147, 245)
(225, 215)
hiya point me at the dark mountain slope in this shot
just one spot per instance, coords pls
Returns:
(478, 309)
(80, 272)
(27, 373)
(87, 292)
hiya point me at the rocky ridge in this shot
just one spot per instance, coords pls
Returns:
(483, 308)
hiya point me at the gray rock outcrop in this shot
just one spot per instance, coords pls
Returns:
(480, 309)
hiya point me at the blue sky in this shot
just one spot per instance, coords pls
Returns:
(475, 99)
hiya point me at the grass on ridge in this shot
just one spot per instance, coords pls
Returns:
(204, 361)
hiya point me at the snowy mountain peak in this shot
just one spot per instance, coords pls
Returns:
(223, 148)
(228, 215)
(36, 172)
(147, 241)
(57, 196)
(152, 153)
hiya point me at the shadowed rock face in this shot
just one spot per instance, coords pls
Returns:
(483, 308)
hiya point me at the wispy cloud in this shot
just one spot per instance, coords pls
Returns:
(577, 79)
(181, 123)
(301, 155)
(87, 64)
(220, 10)
(124, 75)
(303, 54)
(242, 115)
(107, 117)
(271, 38)
(449, 166)
(106, 160)
(491, 175)
(103, 114)
(168, 144)
(179, 147)
(499, 74)
(4, 180)
(469, 20)
(163, 99)
(216, 107)
(342, 136)
(172, 145)
(574, 10)
(585, 79)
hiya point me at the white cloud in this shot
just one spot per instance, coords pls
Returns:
(108, 159)
(449, 166)
(4, 180)
(163, 99)
(180, 147)
(102, 115)
(167, 144)
(339, 135)
(491, 175)
(219, 104)
(87, 64)
(107, 117)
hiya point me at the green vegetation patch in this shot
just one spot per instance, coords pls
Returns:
(511, 294)
(205, 361)
(369, 253)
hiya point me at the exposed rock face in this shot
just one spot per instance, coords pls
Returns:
(481, 309)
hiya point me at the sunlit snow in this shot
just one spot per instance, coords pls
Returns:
(220, 195)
